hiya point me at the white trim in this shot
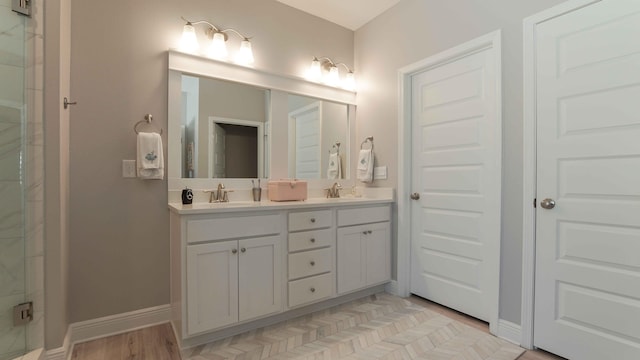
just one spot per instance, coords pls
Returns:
(248, 123)
(119, 323)
(488, 41)
(529, 161)
(63, 352)
(509, 331)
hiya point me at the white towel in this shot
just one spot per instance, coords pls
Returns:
(365, 166)
(150, 158)
(334, 170)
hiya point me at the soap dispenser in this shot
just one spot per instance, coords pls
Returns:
(187, 196)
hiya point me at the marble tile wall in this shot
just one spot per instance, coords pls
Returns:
(21, 177)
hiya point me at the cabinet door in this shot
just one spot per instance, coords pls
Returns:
(377, 243)
(260, 276)
(351, 259)
(212, 286)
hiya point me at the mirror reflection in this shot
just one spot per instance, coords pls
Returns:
(318, 133)
(223, 129)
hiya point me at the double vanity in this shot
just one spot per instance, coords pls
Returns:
(239, 266)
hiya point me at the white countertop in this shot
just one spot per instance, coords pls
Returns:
(238, 206)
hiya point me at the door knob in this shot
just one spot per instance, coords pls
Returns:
(415, 196)
(548, 203)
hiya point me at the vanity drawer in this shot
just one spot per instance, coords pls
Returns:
(211, 229)
(309, 220)
(311, 239)
(310, 289)
(309, 263)
(347, 217)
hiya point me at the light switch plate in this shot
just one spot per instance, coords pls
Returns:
(128, 168)
(380, 172)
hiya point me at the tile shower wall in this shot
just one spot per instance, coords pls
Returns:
(21, 177)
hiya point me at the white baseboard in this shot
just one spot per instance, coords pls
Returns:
(392, 288)
(109, 325)
(509, 331)
(119, 323)
(61, 353)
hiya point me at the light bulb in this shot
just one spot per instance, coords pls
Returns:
(245, 54)
(333, 78)
(349, 81)
(189, 42)
(218, 49)
(315, 70)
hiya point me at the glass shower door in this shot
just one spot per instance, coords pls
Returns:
(12, 179)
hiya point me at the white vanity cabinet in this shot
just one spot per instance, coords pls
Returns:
(236, 269)
(363, 247)
(233, 269)
(311, 259)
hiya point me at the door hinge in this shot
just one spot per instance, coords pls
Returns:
(22, 313)
(21, 7)
(535, 204)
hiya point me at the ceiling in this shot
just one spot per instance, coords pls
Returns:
(351, 14)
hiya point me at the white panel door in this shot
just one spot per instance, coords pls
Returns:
(456, 150)
(307, 142)
(260, 276)
(212, 285)
(587, 288)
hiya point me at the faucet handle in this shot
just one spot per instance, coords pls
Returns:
(212, 195)
(225, 196)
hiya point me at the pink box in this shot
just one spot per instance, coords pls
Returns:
(287, 190)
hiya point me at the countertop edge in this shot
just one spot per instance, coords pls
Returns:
(181, 209)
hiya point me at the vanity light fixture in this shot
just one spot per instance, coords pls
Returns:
(331, 76)
(217, 47)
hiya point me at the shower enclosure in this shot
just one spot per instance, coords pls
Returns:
(21, 181)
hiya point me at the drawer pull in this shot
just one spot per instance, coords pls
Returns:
(312, 289)
(312, 240)
(313, 220)
(234, 251)
(313, 263)
(243, 250)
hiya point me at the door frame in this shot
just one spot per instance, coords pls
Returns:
(529, 160)
(401, 286)
(213, 120)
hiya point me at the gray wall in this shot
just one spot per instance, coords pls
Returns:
(228, 100)
(416, 29)
(119, 232)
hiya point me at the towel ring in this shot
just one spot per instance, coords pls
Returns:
(369, 139)
(335, 147)
(148, 118)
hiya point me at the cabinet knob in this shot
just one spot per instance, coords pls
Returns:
(234, 251)
(369, 232)
(312, 289)
(364, 233)
(313, 263)
(312, 240)
(243, 250)
(313, 220)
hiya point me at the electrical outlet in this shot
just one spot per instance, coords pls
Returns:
(128, 168)
(380, 172)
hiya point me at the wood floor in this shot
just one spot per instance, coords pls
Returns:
(158, 342)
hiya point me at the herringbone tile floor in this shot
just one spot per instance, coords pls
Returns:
(381, 326)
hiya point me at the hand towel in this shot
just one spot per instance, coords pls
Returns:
(150, 157)
(334, 170)
(365, 165)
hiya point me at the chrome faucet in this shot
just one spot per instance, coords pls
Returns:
(219, 195)
(334, 191)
